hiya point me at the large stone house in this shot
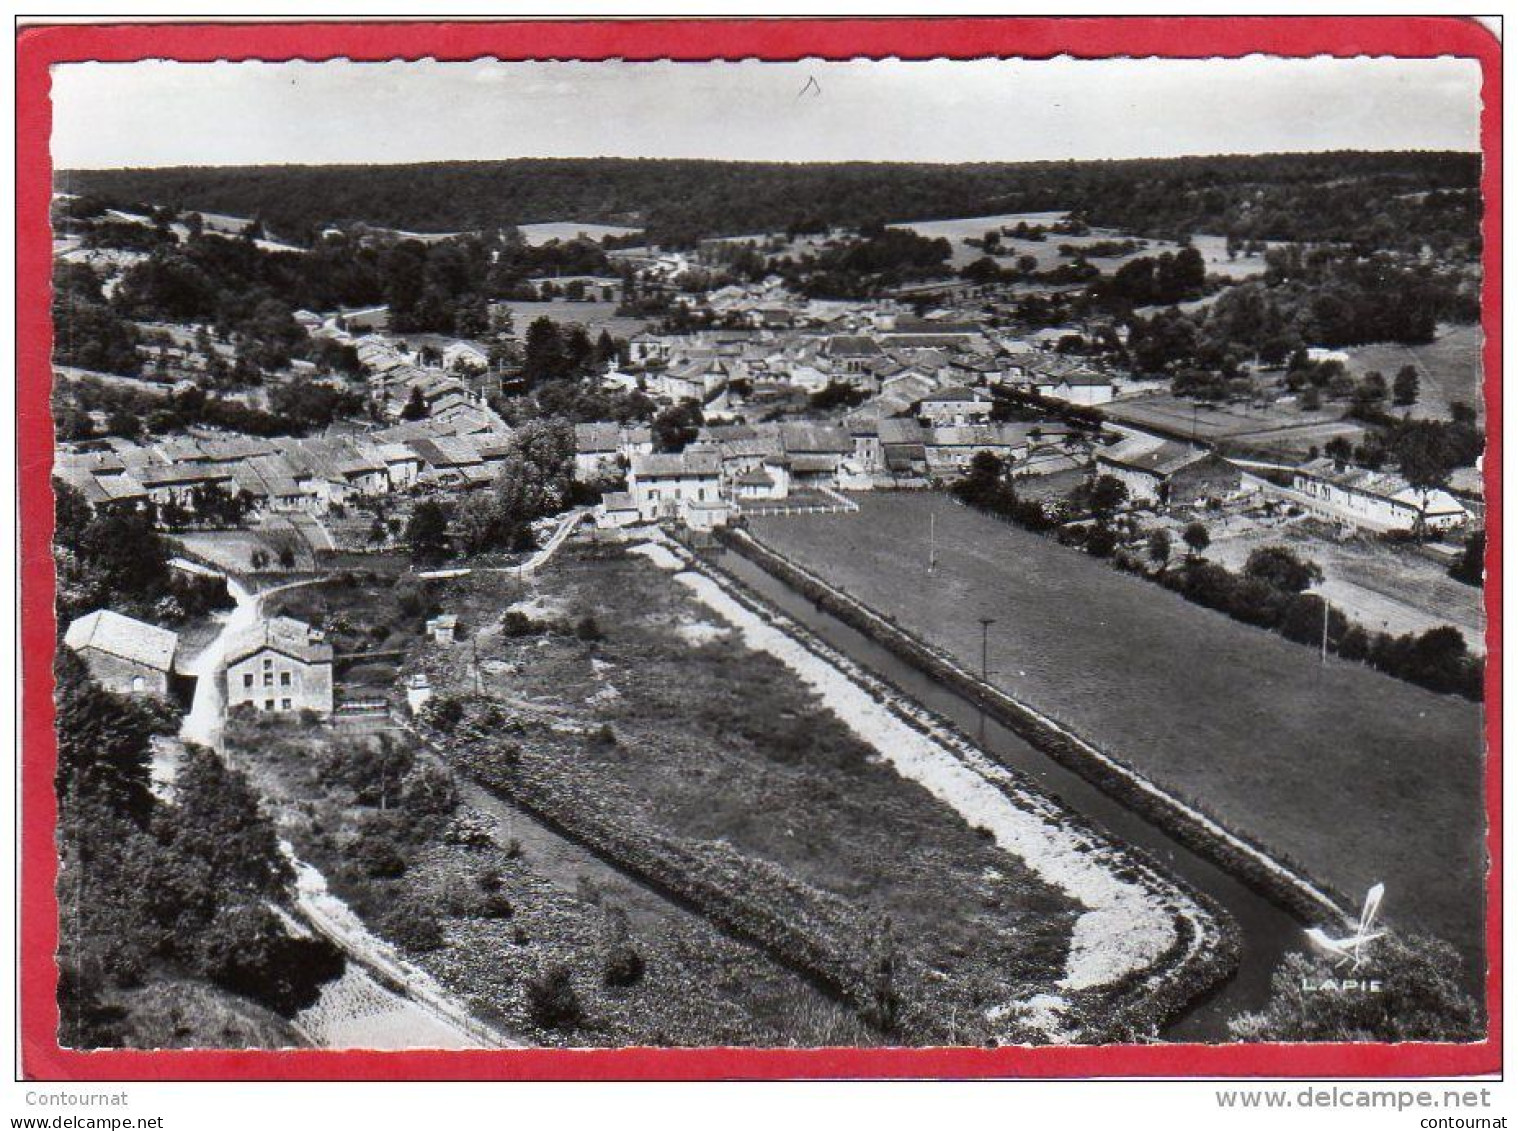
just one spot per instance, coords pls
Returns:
(280, 664)
(663, 486)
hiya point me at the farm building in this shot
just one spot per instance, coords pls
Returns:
(616, 510)
(1165, 472)
(280, 664)
(601, 448)
(443, 629)
(1076, 387)
(124, 655)
(1372, 500)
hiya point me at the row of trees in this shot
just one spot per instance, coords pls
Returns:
(298, 406)
(1269, 593)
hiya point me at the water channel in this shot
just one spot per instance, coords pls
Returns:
(1267, 931)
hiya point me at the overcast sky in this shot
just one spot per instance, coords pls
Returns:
(165, 113)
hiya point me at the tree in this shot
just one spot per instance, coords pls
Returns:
(416, 405)
(1196, 538)
(883, 995)
(1159, 547)
(103, 741)
(621, 964)
(982, 483)
(545, 357)
(477, 525)
(246, 949)
(677, 426)
(1101, 541)
(218, 814)
(427, 531)
(1108, 493)
(1419, 1000)
(1405, 386)
(1470, 566)
(1426, 457)
(1282, 569)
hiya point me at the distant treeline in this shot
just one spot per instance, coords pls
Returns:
(1400, 200)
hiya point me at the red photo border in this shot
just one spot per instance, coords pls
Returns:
(689, 40)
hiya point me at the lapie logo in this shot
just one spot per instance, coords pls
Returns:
(1349, 951)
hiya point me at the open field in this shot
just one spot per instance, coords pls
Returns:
(232, 550)
(1449, 368)
(717, 743)
(1214, 249)
(1356, 776)
(594, 316)
(1281, 429)
(1385, 588)
(537, 235)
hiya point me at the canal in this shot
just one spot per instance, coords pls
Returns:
(1266, 931)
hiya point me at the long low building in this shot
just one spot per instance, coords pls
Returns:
(1378, 501)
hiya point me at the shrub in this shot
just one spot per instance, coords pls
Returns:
(496, 906)
(1420, 999)
(621, 964)
(588, 630)
(515, 623)
(378, 856)
(429, 790)
(444, 712)
(468, 830)
(414, 925)
(551, 999)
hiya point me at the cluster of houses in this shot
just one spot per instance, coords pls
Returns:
(876, 352)
(736, 468)
(284, 475)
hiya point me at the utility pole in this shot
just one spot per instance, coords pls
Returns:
(1324, 656)
(932, 541)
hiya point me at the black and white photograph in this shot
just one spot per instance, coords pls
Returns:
(829, 554)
